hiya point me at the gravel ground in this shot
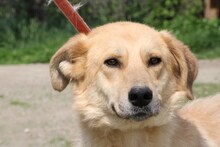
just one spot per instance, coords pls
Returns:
(32, 114)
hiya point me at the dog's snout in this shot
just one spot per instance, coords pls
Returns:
(140, 96)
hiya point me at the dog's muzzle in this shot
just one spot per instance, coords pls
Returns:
(137, 113)
(140, 106)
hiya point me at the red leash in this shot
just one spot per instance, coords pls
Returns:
(73, 16)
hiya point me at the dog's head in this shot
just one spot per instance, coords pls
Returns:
(124, 75)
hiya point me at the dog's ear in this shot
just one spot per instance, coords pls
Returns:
(68, 63)
(185, 67)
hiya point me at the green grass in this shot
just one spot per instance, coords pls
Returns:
(33, 51)
(2, 97)
(31, 42)
(209, 54)
(20, 103)
(203, 90)
(60, 142)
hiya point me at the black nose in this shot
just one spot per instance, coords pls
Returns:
(140, 96)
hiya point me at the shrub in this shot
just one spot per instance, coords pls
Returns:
(32, 43)
(200, 34)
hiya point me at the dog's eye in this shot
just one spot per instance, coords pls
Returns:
(113, 62)
(154, 61)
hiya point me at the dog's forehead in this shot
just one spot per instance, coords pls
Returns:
(124, 39)
(124, 32)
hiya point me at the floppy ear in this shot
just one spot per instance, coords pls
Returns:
(185, 66)
(68, 63)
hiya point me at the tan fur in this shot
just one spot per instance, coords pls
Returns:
(101, 92)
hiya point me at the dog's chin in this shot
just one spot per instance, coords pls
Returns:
(136, 114)
(140, 116)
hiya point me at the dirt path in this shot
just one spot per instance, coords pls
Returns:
(32, 114)
(209, 71)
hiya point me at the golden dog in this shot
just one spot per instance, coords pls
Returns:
(128, 81)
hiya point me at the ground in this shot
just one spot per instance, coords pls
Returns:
(32, 114)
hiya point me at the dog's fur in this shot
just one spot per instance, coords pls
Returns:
(101, 90)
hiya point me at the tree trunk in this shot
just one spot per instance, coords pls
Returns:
(212, 8)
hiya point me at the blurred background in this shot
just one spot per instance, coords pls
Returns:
(32, 113)
(31, 31)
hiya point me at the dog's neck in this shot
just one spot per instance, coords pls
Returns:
(149, 137)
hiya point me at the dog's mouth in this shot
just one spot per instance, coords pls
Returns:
(136, 114)
(140, 116)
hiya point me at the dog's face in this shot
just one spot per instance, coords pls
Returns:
(124, 75)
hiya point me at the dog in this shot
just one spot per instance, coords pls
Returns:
(129, 82)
